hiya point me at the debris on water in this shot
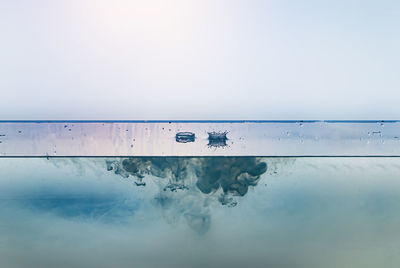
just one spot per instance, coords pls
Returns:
(140, 183)
(217, 139)
(185, 137)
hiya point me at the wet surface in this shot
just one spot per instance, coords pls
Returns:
(226, 138)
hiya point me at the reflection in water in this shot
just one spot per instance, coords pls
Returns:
(200, 212)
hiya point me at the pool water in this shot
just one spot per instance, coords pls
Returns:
(200, 212)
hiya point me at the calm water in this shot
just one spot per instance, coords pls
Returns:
(200, 212)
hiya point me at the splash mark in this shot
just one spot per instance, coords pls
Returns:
(217, 139)
(185, 137)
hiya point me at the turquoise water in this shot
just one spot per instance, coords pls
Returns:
(200, 212)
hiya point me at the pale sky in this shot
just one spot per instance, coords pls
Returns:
(199, 59)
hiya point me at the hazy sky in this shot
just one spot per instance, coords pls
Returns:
(208, 59)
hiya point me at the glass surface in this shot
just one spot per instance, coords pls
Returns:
(199, 138)
(200, 212)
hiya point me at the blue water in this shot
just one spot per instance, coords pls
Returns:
(200, 212)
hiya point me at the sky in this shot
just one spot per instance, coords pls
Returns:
(202, 60)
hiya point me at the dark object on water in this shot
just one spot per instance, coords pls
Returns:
(184, 137)
(217, 139)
